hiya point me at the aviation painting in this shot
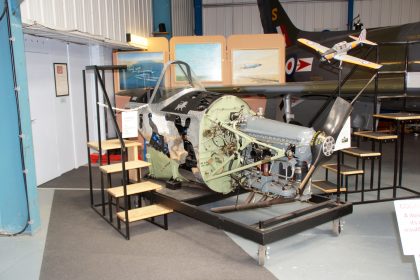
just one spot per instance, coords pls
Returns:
(143, 69)
(204, 59)
(255, 67)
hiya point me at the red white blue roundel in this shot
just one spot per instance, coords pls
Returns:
(290, 65)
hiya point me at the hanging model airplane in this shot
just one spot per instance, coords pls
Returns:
(339, 50)
(215, 139)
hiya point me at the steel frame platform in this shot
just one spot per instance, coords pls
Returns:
(319, 211)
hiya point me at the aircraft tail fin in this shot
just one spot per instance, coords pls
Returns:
(362, 38)
(274, 19)
(362, 35)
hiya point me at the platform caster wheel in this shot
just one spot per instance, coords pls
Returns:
(337, 227)
(262, 254)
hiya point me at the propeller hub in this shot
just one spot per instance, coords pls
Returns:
(328, 146)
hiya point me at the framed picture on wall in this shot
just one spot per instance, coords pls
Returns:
(143, 69)
(61, 80)
(205, 60)
(255, 66)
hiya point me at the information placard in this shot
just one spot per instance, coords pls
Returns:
(61, 79)
(344, 137)
(129, 124)
(408, 217)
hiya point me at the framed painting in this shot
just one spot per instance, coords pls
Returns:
(205, 60)
(143, 69)
(255, 66)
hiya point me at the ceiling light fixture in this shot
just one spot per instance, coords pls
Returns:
(137, 41)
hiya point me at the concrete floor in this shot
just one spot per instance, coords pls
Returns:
(368, 248)
(21, 256)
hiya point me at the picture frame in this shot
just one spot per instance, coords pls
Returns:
(61, 79)
(205, 59)
(143, 69)
(255, 66)
(256, 59)
(206, 55)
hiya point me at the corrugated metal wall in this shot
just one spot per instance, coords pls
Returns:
(182, 17)
(374, 13)
(226, 17)
(108, 18)
(242, 17)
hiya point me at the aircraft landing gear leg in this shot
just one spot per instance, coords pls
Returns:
(337, 226)
(288, 109)
(262, 254)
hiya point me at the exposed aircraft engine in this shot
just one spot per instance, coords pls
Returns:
(277, 154)
(282, 176)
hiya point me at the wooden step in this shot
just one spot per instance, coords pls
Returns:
(134, 189)
(344, 169)
(113, 144)
(327, 186)
(129, 165)
(375, 135)
(144, 212)
(402, 116)
(356, 152)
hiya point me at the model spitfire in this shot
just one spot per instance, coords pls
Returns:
(206, 137)
(339, 50)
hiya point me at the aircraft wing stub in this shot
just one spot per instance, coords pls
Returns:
(318, 47)
(358, 61)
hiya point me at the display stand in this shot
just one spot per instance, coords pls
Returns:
(126, 190)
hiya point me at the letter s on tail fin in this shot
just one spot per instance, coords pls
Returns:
(274, 19)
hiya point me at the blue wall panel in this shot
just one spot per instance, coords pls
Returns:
(13, 208)
(162, 14)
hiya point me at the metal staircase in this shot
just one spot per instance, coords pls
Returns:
(130, 170)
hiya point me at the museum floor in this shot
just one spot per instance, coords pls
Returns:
(75, 243)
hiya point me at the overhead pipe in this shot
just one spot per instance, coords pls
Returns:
(350, 14)
(198, 17)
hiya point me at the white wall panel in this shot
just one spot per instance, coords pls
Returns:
(182, 17)
(225, 17)
(121, 8)
(127, 17)
(111, 19)
(376, 13)
(58, 123)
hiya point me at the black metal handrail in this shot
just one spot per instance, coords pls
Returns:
(393, 72)
(99, 79)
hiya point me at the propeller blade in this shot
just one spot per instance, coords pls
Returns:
(324, 141)
(337, 117)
